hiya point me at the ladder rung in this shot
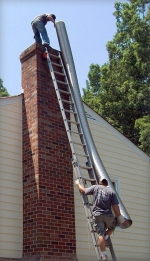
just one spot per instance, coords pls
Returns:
(87, 179)
(88, 203)
(65, 92)
(74, 122)
(83, 155)
(85, 167)
(81, 144)
(75, 132)
(58, 65)
(62, 82)
(53, 55)
(59, 73)
(71, 111)
(70, 102)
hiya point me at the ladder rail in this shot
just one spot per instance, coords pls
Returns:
(77, 169)
(75, 162)
(60, 104)
(79, 127)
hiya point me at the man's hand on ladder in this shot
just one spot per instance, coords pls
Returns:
(77, 182)
(81, 188)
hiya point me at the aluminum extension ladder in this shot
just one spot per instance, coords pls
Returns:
(68, 109)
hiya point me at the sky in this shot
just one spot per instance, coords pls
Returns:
(90, 24)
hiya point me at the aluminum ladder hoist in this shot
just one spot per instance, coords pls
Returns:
(81, 162)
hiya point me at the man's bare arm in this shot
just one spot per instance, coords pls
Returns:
(81, 188)
(116, 210)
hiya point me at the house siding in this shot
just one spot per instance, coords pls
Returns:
(121, 159)
(125, 161)
(11, 232)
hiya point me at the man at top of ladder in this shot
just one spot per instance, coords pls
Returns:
(38, 27)
(103, 199)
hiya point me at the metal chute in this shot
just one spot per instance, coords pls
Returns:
(98, 166)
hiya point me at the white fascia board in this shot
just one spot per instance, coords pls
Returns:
(10, 99)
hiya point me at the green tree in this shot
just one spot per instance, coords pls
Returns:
(3, 90)
(120, 89)
(143, 127)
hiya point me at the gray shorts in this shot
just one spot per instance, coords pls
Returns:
(103, 222)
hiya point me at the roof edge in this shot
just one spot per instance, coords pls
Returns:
(10, 99)
(101, 120)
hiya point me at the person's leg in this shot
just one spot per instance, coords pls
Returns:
(110, 224)
(100, 227)
(36, 34)
(42, 31)
(101, 242)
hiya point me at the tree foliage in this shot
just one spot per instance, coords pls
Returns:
(143, 127)
(3, 90)
(120, 89)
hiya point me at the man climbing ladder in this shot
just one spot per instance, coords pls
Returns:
(103, 199)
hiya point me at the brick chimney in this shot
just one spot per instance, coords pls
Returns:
(48, 193)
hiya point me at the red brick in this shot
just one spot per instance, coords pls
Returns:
(49, 218)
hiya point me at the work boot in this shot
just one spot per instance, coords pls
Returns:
(104, 257)
(46, 44)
